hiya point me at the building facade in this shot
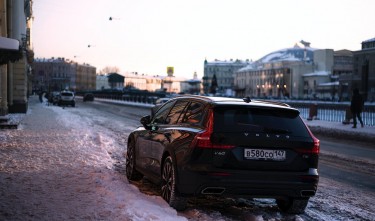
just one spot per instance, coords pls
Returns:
(218, 76)
(364, 70)
(15, 67)
(85, 77)
(191, 86)
(56, 74)
(116, 81)
(102, 82)
(289, 73)
(342, 69)
(141, 81)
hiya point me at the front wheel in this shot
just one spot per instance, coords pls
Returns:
(292, 205)
(131, 172)
(168, 186)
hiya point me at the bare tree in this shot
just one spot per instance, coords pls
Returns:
(109, 69)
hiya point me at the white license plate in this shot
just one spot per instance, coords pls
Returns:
(262, 154)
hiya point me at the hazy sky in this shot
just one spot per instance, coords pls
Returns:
(146, 36)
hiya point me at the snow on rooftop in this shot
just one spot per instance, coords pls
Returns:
(369, 40)
(336, 83)
(226, 62)
(9, 43)
(317, 73)
(247, 68)
(296, 53)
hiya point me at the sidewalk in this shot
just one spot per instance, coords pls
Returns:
(342, 131)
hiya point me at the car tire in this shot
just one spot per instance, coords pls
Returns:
(168, 186)
(292, 205)
(131, 172)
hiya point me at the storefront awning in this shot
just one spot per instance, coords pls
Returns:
(9, 44)
(10, 50)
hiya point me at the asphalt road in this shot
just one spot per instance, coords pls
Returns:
(348, 161)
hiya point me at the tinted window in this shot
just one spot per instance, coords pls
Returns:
(174, 115)
(194, 114)
(66, 94)
(162, 113)
(249, 119)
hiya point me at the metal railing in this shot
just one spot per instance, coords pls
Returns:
(327, 111)
(336, 112)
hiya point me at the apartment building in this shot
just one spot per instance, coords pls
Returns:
(288, 73)
(56, 74)
(218, 76)
(364, 70)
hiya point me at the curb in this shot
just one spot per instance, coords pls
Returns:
(342, 134)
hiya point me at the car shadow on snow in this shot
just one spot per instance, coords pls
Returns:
(211, 207)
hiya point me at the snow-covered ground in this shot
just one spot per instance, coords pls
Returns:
(68, 164)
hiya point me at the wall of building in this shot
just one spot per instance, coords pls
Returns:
(224, 72)
(16, 19)
(58, 74)
(323, 60)
(364, 73)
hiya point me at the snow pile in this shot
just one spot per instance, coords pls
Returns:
(60, 166)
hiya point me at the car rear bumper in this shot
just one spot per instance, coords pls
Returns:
(66, 102)
(249, 183)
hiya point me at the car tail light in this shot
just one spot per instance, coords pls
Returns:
(315, 149)
(203, 139)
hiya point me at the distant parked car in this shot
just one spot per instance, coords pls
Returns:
(195, 146)
(67, 98)
(54, 97)
(88, 97)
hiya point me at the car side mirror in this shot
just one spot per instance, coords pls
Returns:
(145, 121)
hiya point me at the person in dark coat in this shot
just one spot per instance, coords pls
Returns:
(41, 97)
(356, 107)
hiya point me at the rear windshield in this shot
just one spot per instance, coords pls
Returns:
(66, 94)
(260, 120)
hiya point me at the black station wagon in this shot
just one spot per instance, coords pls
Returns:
(196, 146)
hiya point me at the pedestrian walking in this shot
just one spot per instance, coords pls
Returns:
(356, 107)
(41, 97)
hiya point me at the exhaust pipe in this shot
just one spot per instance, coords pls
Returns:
(307, 193)
(213, 190)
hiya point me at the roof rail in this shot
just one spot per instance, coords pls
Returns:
(193, 95)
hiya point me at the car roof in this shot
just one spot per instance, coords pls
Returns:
(237, 101)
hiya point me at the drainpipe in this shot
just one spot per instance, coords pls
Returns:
(10, 64)
(3, 68)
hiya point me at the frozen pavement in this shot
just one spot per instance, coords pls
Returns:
(57, 166)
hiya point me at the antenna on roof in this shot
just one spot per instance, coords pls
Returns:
(247, 99)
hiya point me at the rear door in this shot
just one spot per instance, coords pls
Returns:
(265, 139)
